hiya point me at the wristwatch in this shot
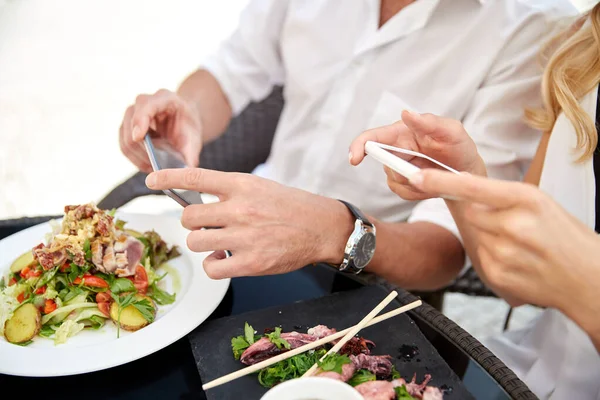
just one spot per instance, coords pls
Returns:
(360, 247)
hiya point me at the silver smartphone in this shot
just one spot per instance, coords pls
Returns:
(160, 159)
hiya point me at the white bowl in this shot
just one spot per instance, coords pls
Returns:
(313, 388)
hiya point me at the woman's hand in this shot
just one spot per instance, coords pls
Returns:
(440, 138)
(530, 249)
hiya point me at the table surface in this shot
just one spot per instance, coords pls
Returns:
(171, 372)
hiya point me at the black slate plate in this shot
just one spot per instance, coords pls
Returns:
(211, 342)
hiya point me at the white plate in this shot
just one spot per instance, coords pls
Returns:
(92, 350)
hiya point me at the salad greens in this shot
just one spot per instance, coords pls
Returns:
(130, 299)
(298, 365)
(156, 249)
(159, 295)
(334, 362)
(402, 393)
(277, 340)
(241, 343)
(74, 295)
(362, 376)
(290, 368)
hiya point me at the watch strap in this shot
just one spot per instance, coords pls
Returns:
(356, 213)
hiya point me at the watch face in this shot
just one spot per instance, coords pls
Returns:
(365, 248)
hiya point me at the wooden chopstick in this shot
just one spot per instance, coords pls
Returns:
(353, 331)
(320, 342)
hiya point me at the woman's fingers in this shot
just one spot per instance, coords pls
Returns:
(491, 192)
(395, 134)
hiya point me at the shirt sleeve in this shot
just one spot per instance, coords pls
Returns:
(248, 64)
(495, 119)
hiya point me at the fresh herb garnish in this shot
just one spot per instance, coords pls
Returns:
(96, 322)
(277, 340)
(402, 393)
(25, 343)
(120, 224)
(238, 345)
(75, 273)
(72, 293)
(122, 285)
(46, 331)
(249, 333)
(60, 280)
(361, 376)
(87, 249)
(122, 303)
(161, 277)
(108, 278)
(160, 296)
(395, 374)
(85, 268)
(46, 277)
(334, 362)
(143, 306)
(2, 283)
(241, 343)
(291, 368)
(146, 309)
(63, 294)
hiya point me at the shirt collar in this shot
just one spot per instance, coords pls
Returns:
(414, 17)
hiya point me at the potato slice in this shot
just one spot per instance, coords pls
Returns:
(23, 325)
(21, 262)
(131, 318)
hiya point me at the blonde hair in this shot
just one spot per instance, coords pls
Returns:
(572, 71)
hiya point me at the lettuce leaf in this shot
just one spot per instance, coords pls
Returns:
(157, 249)
(66, 330)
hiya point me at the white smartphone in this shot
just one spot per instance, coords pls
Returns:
(381, 152)
(399, 165)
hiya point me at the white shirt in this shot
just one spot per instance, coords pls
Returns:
(472, 60)
(553, 356)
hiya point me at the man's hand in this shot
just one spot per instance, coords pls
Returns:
(440, 138)
(269, 228)
(176, 121)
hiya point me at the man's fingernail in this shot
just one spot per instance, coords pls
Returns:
(410, 112)
(136, 131)
(151, 180)
(350, 157)
(416, 179)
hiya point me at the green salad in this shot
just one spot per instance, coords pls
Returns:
(90, 270)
